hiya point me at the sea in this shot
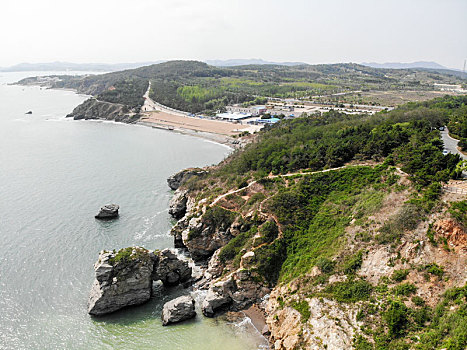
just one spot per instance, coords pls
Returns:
(55, 173)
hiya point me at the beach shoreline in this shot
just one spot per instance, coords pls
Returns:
(223, 140)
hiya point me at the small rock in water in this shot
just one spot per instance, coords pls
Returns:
(108, 211)
(177, 310)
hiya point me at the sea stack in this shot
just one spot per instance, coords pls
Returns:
(124, 278)
(108, 211)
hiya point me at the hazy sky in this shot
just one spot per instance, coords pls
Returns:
(312, 31)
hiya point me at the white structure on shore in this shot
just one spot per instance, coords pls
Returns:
(252, 110)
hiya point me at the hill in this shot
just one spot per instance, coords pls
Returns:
(198, 87)
(342, 222)
(399, 65)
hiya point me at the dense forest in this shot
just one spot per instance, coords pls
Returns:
(197, 87)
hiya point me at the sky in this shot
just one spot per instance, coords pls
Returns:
(311, 31)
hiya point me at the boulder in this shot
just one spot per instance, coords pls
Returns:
(218, 297)
(214, 302)
(171, 270)
(177, 310)
(108, 211)
(122, 279)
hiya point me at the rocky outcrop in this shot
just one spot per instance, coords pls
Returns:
(177, 205)
(320, 331)
(176, 180)
(124, 278)
(218, 297)
(177, 310)
(171, 270)
(108, 211)
(94, 109)
(236, 292)
(452, 232)
(202, 239)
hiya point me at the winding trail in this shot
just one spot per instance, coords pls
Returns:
(276, 176)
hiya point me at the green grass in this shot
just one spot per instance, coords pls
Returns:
(126, 255)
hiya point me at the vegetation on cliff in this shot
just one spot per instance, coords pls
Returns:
(347, 209)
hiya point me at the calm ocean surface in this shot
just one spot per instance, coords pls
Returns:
(54, 175)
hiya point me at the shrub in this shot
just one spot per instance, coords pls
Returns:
(418, 301)
(434, 269)
(353, 263)
(405, 289)
(218, 217)
(349, 291)
(396, 318)
(399, 275)
(325, 265)
(235, 245)
(268, 231)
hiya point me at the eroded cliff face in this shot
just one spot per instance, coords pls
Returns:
(94, 109)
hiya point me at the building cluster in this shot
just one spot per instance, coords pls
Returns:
(274, 110)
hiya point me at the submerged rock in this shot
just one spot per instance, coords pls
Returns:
(108, 211)
(177, 310)
(124, 278)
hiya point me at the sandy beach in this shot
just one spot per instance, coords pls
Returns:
(160, 116)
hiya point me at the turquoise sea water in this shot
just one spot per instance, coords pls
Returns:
(54, 175)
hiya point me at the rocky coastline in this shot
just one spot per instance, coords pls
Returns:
(93, 109)
(204, 239)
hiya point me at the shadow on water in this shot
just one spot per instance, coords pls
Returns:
(149, 310)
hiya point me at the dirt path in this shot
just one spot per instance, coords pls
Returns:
(276, 176)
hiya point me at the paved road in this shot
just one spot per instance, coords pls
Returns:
(450, 144)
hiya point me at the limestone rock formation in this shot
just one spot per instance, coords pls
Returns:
(108, 211)
(124, 278)
(177, 310)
